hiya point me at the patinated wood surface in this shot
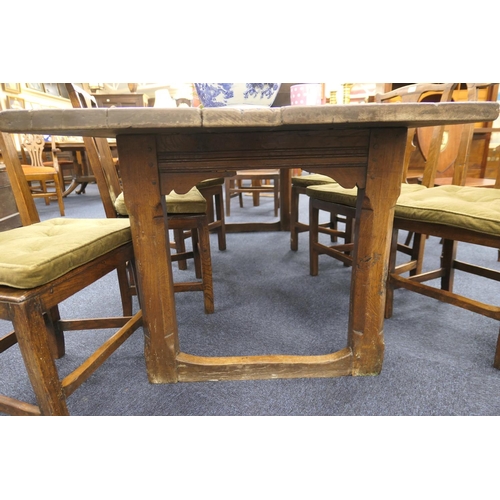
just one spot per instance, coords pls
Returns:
(164, 149)
(110, 122)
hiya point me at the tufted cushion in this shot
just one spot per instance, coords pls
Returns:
(34, 255)
(334, 193)
(311, 180)
(192, 202)
(473, 208)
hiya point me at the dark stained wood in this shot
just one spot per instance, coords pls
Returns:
(155, 148)
(35, 315)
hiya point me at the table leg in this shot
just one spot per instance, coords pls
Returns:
(375, 212)
(141, 187)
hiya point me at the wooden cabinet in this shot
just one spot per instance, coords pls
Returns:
(121, 100)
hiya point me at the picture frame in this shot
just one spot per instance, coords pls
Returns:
(13, 88)
(14, 102)
(36, 86)
(52, 89)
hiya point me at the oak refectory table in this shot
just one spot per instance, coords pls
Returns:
(163, 149)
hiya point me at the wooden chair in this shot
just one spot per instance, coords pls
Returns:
(335, 199)
(454, 214)
(458, 175)
(261, 181)
(39, 171)
(184, 212)
(299, 185)
(211, 189)
(43, 264)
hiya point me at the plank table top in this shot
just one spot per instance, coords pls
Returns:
(110, 122)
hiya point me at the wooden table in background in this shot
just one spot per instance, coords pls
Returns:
(165, 149)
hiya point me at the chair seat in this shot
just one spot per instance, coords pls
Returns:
(311, 180)
(470, 208)
(335, 193)
(37, 254)
(192, 202)
(28, 169)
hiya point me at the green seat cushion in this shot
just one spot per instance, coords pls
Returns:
(217, 181)
(311, 180)
(473, 208)
(34, 255)
(335, 193)
(192, 202)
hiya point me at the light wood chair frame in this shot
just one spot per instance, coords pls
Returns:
(234, 187)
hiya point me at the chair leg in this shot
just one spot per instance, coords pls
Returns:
(417, 252)
(496, 363)
(294, 219)
(206, 264)
(35, 348)
(348, 235)
(276, 196)
(227, 188)
(125, 289)
(180, 247)
(448, 255)
(195, 238)
(59, 194)
(55, 332)
(389, 294)
(313, 239)
(219, 213)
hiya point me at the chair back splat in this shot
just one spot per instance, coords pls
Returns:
(336, 200)
(41, 265)
(188, 213)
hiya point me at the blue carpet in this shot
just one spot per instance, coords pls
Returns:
(438, 358)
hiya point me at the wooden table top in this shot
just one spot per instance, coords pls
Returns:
(110, 122)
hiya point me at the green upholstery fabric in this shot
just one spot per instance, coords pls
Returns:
(192, 202)
(34, 255)
(218, 181)
(311, 180)
(474, 208)
(334, 193)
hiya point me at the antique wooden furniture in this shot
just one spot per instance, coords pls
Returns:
(255, 183)
(479, 166)
(455, 214)
(165, 149)
(335, 199)
(185, 213)
(44, 180)
(458, 173)
(299, 185)
(42, 264)
(130, 100)
(211, 189)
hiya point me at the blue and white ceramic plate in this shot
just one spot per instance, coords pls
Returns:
(214, 95)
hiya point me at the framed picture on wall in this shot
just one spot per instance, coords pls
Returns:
(36, 86)
(51, 88)
(14, 102)
(13, 88)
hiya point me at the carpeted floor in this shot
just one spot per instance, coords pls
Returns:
(438, 359)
